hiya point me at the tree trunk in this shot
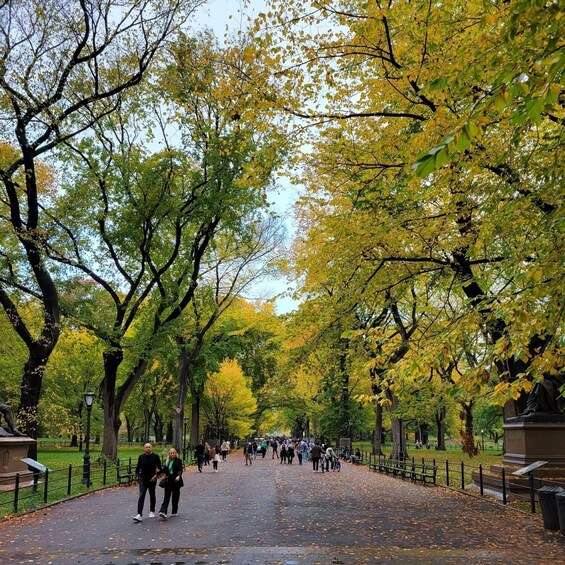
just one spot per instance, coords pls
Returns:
(146, 425)
(399, 450)
(158, 428)
(112, 360)
(30, 388)
(195, 420)
(468, 434)
(178, 429)
(440, 423)
(378, 435)
(129, 430)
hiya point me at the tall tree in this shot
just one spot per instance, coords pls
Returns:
(63, 66)
(156, 221)
(386, 100)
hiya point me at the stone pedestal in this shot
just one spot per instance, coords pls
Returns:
(12, 449)
(527, 442)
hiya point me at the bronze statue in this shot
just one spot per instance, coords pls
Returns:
(7, 413)
(546, 399)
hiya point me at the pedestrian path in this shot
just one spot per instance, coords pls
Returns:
(269, 513)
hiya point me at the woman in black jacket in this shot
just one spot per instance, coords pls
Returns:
(173, 470)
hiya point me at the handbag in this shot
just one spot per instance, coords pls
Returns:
(163, 482)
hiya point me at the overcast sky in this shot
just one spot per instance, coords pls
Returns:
(216, 15)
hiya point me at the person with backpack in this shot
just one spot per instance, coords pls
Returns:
(248, 451)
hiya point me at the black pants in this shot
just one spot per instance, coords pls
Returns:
(215, 464)
(315, 463)
(173, 495)
(144, 486)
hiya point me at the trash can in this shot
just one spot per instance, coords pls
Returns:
(560, 501)
(548, 506)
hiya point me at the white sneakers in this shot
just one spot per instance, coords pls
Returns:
(162, 516)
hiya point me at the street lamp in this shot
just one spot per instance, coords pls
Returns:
(185, 421)
(89, 401)
(483, 439)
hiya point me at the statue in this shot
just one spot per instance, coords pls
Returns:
(546, 400)
(7, 413)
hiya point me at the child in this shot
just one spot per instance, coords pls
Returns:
(215, 461)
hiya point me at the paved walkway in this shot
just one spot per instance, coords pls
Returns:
(270, 513)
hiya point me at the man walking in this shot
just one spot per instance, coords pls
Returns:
(315, 454)
(248, 451)
(199, 450)
(147, 469)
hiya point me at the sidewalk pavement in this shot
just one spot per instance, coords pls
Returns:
(269, 513)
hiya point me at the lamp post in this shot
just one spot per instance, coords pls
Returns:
(185, 422)
(483, 439)
(89, 401)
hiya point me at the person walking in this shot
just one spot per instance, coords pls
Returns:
(173, 469)
(147, 468)
(315, 454)
(283, 452)
(290, 452)
(330, 457)
(199, 452)
(225, 450)
(248, 450)
(275, 446)
(215, 461)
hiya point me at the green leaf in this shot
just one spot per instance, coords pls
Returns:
(442, 157)
(425, 165)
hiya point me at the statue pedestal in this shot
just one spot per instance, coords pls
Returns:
(12, 449)
(529, 441)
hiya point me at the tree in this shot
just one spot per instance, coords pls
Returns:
(62, 69)
(229, 405)
(162, 224)
(387, 99)
(75, 368)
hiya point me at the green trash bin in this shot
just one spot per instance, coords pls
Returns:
(548, 506)
(560, 501)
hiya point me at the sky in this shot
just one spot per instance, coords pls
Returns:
(216, 15)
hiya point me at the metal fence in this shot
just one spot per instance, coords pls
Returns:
(502, 486)
(25, 491)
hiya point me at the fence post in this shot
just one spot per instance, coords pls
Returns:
(462, 475)
(481, 479)
(104, 475)
(69, 479)
(532, 492)
(46, 486)
(503, 486)
(16, 492)
(447, 473)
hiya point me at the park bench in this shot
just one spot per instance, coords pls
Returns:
(124, 474)
(417, 472)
